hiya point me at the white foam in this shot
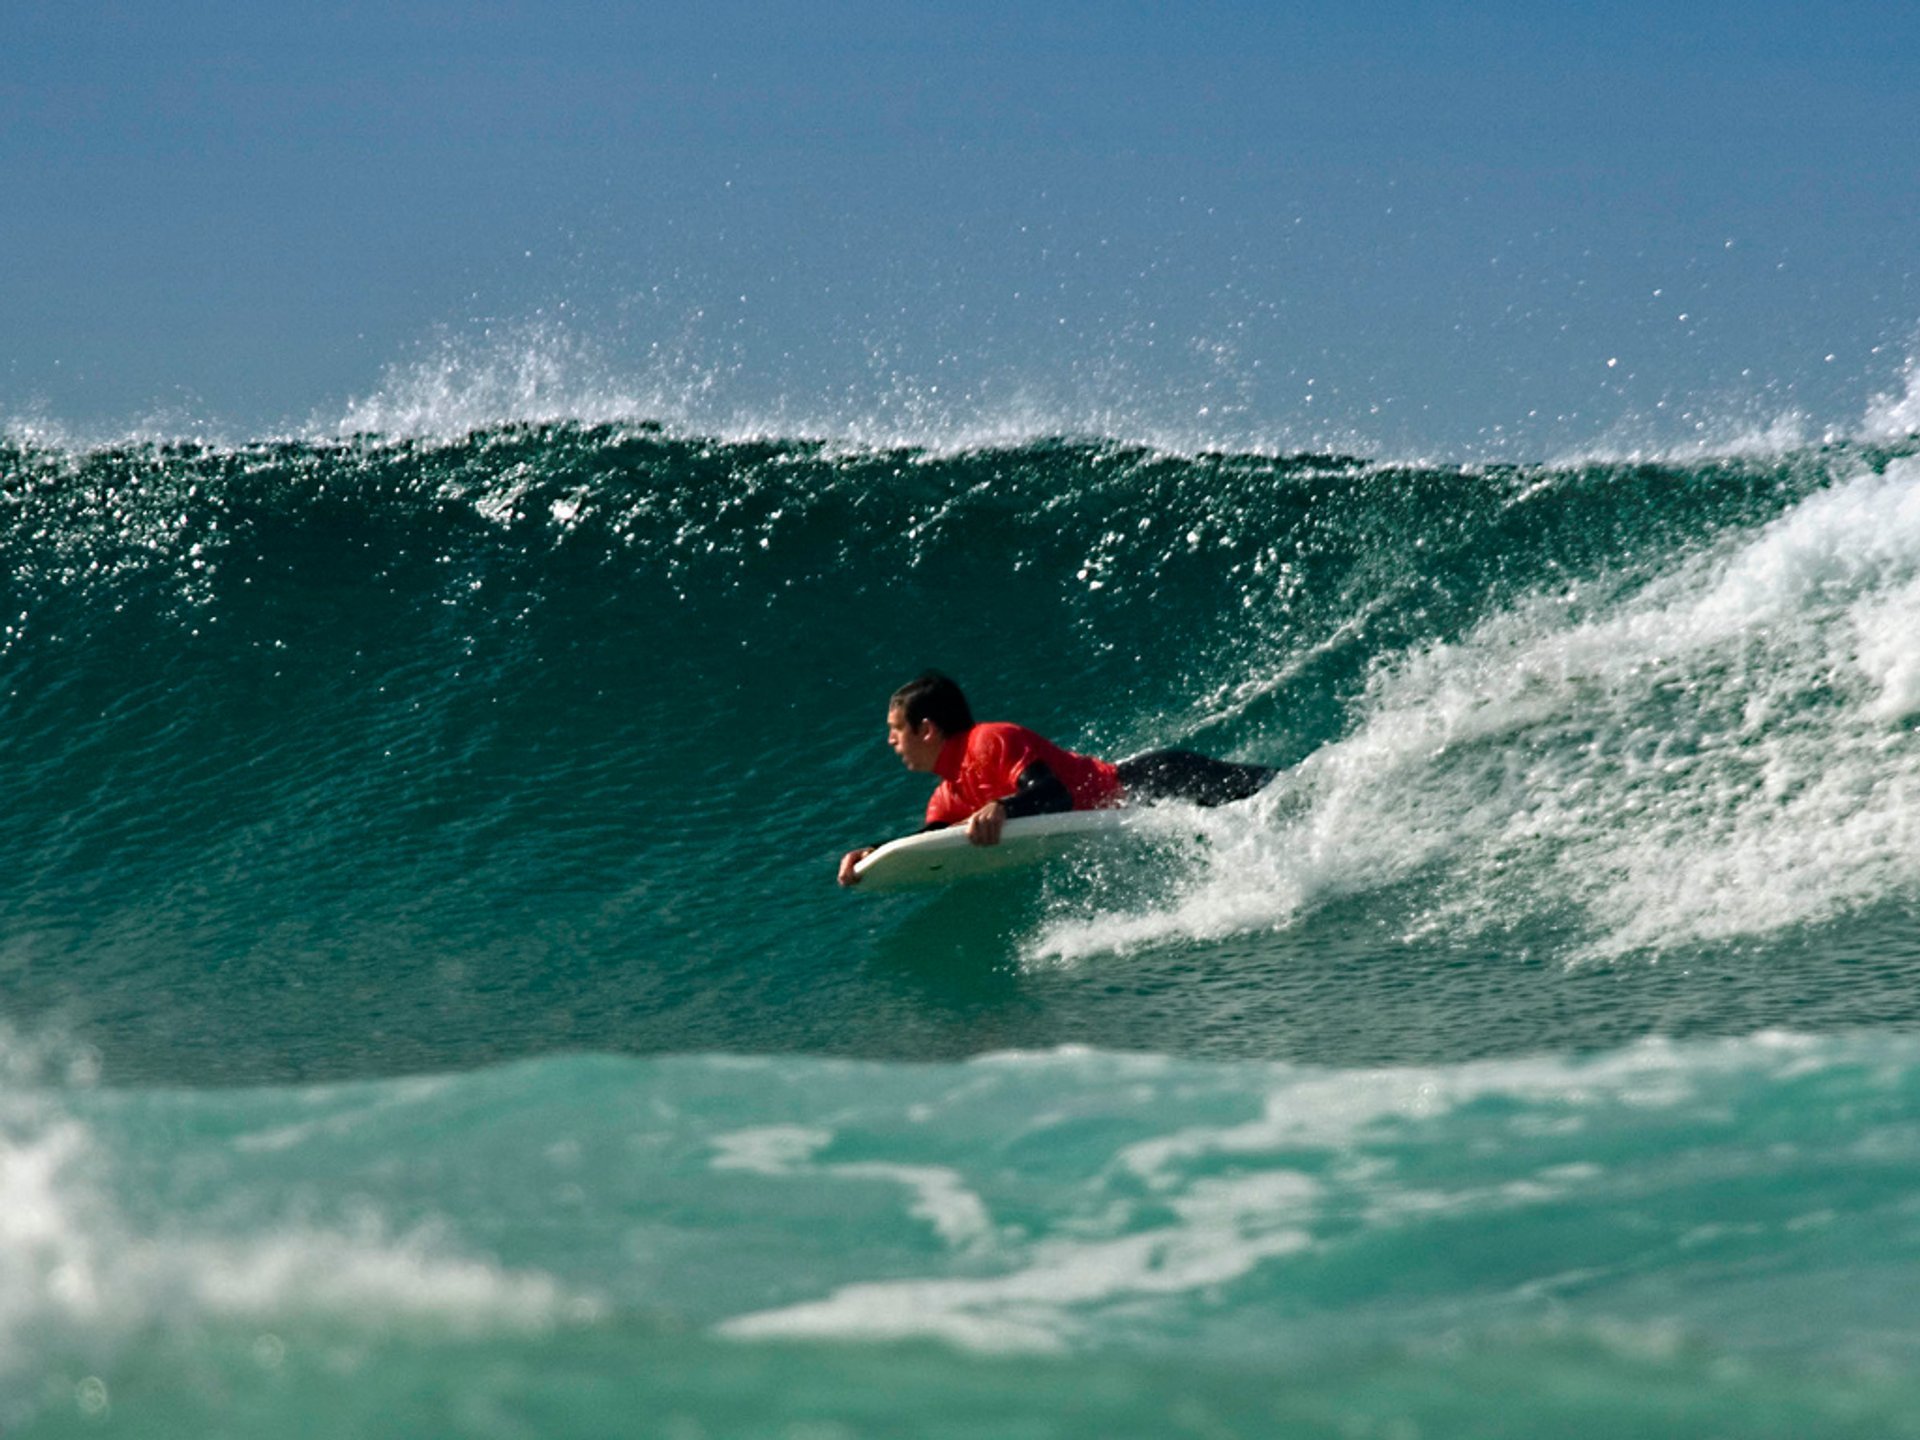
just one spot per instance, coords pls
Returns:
(1896, 416)
(1884, 649)
(75, 1273)
(1158, 1227)
(697, 377)
(1722, 752)
(534, 371)
(940, 1197)
(1733, 431)
(373, 1274)
(1316, 1110)
(1223, 1234)
(343, 1118)
(548, 368)
(769, 1149)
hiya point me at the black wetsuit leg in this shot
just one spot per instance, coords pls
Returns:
(1039, 792)
(1183, 775)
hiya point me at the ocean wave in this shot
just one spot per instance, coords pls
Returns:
(335, 711)
(1712, 1199)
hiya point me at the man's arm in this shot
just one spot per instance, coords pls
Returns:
(1038, 791)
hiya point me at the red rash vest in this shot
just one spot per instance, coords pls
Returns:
(984, 764)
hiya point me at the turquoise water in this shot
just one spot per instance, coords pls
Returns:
(427, 1007)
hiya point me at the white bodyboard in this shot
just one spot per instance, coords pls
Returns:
(937, 856)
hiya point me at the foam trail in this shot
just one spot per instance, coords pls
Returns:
(1655, 763)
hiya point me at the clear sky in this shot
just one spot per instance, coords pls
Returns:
(1431, 227)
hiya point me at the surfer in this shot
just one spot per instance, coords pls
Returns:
(992, 772)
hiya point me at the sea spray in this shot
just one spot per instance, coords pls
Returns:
(1657, 747)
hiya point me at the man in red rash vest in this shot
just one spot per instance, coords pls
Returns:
(985, 766)
(992, 772)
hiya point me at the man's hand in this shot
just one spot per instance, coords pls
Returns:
(983, 826)
(851, 859)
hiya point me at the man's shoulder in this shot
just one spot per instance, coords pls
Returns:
(1000, 737)
(1000, 731)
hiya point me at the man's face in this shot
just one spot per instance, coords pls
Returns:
(918, 746)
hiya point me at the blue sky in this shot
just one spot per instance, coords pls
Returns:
(1486, 227)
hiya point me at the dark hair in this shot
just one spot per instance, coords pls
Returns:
(932, 696)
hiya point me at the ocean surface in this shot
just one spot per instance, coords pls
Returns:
(426, 1007)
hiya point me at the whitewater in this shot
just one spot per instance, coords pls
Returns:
(425, 1003)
